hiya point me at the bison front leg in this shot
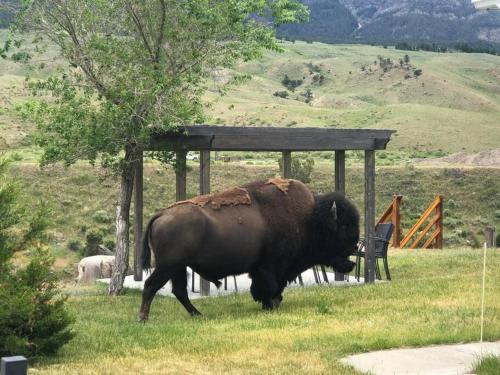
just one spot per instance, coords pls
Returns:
(265, 288)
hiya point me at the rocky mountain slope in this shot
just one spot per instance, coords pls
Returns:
(390, 21)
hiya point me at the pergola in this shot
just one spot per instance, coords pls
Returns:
(286, 140)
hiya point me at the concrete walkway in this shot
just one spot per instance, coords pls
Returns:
(433, 360)
(243, 283)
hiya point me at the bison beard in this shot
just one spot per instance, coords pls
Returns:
(279, 232)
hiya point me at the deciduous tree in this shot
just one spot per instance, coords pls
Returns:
(135, 68)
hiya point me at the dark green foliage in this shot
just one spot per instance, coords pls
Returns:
(33, 319)
(291, 84)
(92, 241)
(281, 94)
(308, 95)
(417, 73)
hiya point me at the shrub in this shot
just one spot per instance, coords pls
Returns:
(302, 168)
(102, 217)
(92, 241)
(281, 94)
(33, 318)
(291, 84)
(74, 245)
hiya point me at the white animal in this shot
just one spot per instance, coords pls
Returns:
(95, 267)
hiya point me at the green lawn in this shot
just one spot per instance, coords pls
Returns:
(488, 365)
(433, 299)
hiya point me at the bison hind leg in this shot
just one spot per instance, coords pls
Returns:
(155, 282)
(179, 289)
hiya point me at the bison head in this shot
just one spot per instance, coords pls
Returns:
(334, 231)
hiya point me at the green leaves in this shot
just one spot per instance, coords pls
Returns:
(135, 66)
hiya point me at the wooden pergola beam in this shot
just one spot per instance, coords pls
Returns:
(221, 138)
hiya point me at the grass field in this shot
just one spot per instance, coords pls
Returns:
(434, 298)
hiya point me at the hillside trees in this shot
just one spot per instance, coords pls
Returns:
(136, 68)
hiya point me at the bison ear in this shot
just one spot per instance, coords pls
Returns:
(333, 210)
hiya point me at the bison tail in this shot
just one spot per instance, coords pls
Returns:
(146, 249)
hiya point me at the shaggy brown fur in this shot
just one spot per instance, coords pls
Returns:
(232, 197)
(280, 183)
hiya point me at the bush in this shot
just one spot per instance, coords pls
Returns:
(33, 318)
(281, 94)
(92, 241)
(302, 168)
(102, 217)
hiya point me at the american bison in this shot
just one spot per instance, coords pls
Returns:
(273, 230)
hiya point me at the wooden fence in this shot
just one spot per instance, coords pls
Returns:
(431, 236)
(418, 235)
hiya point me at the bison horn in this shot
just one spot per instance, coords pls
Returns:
(334, 210)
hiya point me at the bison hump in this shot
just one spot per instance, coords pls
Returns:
(231, 197)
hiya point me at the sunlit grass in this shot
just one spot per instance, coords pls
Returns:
(488, 365)
(434, 299)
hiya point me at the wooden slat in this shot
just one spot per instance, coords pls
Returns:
(432, 237)
(217, 138)
(204, 189)
(424, 232)
(393, 214)
(439, 209)
(370, 216)
(420, 221)
(138, 216)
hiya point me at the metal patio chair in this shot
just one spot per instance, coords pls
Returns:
(383, 233)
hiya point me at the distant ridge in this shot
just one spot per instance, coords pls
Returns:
(447, 22)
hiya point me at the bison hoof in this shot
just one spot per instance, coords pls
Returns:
(277, 301)
(346, 267)
(195, 313)
(142, 318)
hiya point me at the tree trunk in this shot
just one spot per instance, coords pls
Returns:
(123, 225)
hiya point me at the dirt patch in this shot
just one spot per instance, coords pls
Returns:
(231, 197)
(280, 183)
(490, 158)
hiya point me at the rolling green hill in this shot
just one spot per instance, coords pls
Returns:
(454, 105)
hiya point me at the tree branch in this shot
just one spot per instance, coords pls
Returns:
(140, 29)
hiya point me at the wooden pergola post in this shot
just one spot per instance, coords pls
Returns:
(138, 215)
(287, 164)
(180, 175)
(340, 187)
(204, 189)
(370, 216)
